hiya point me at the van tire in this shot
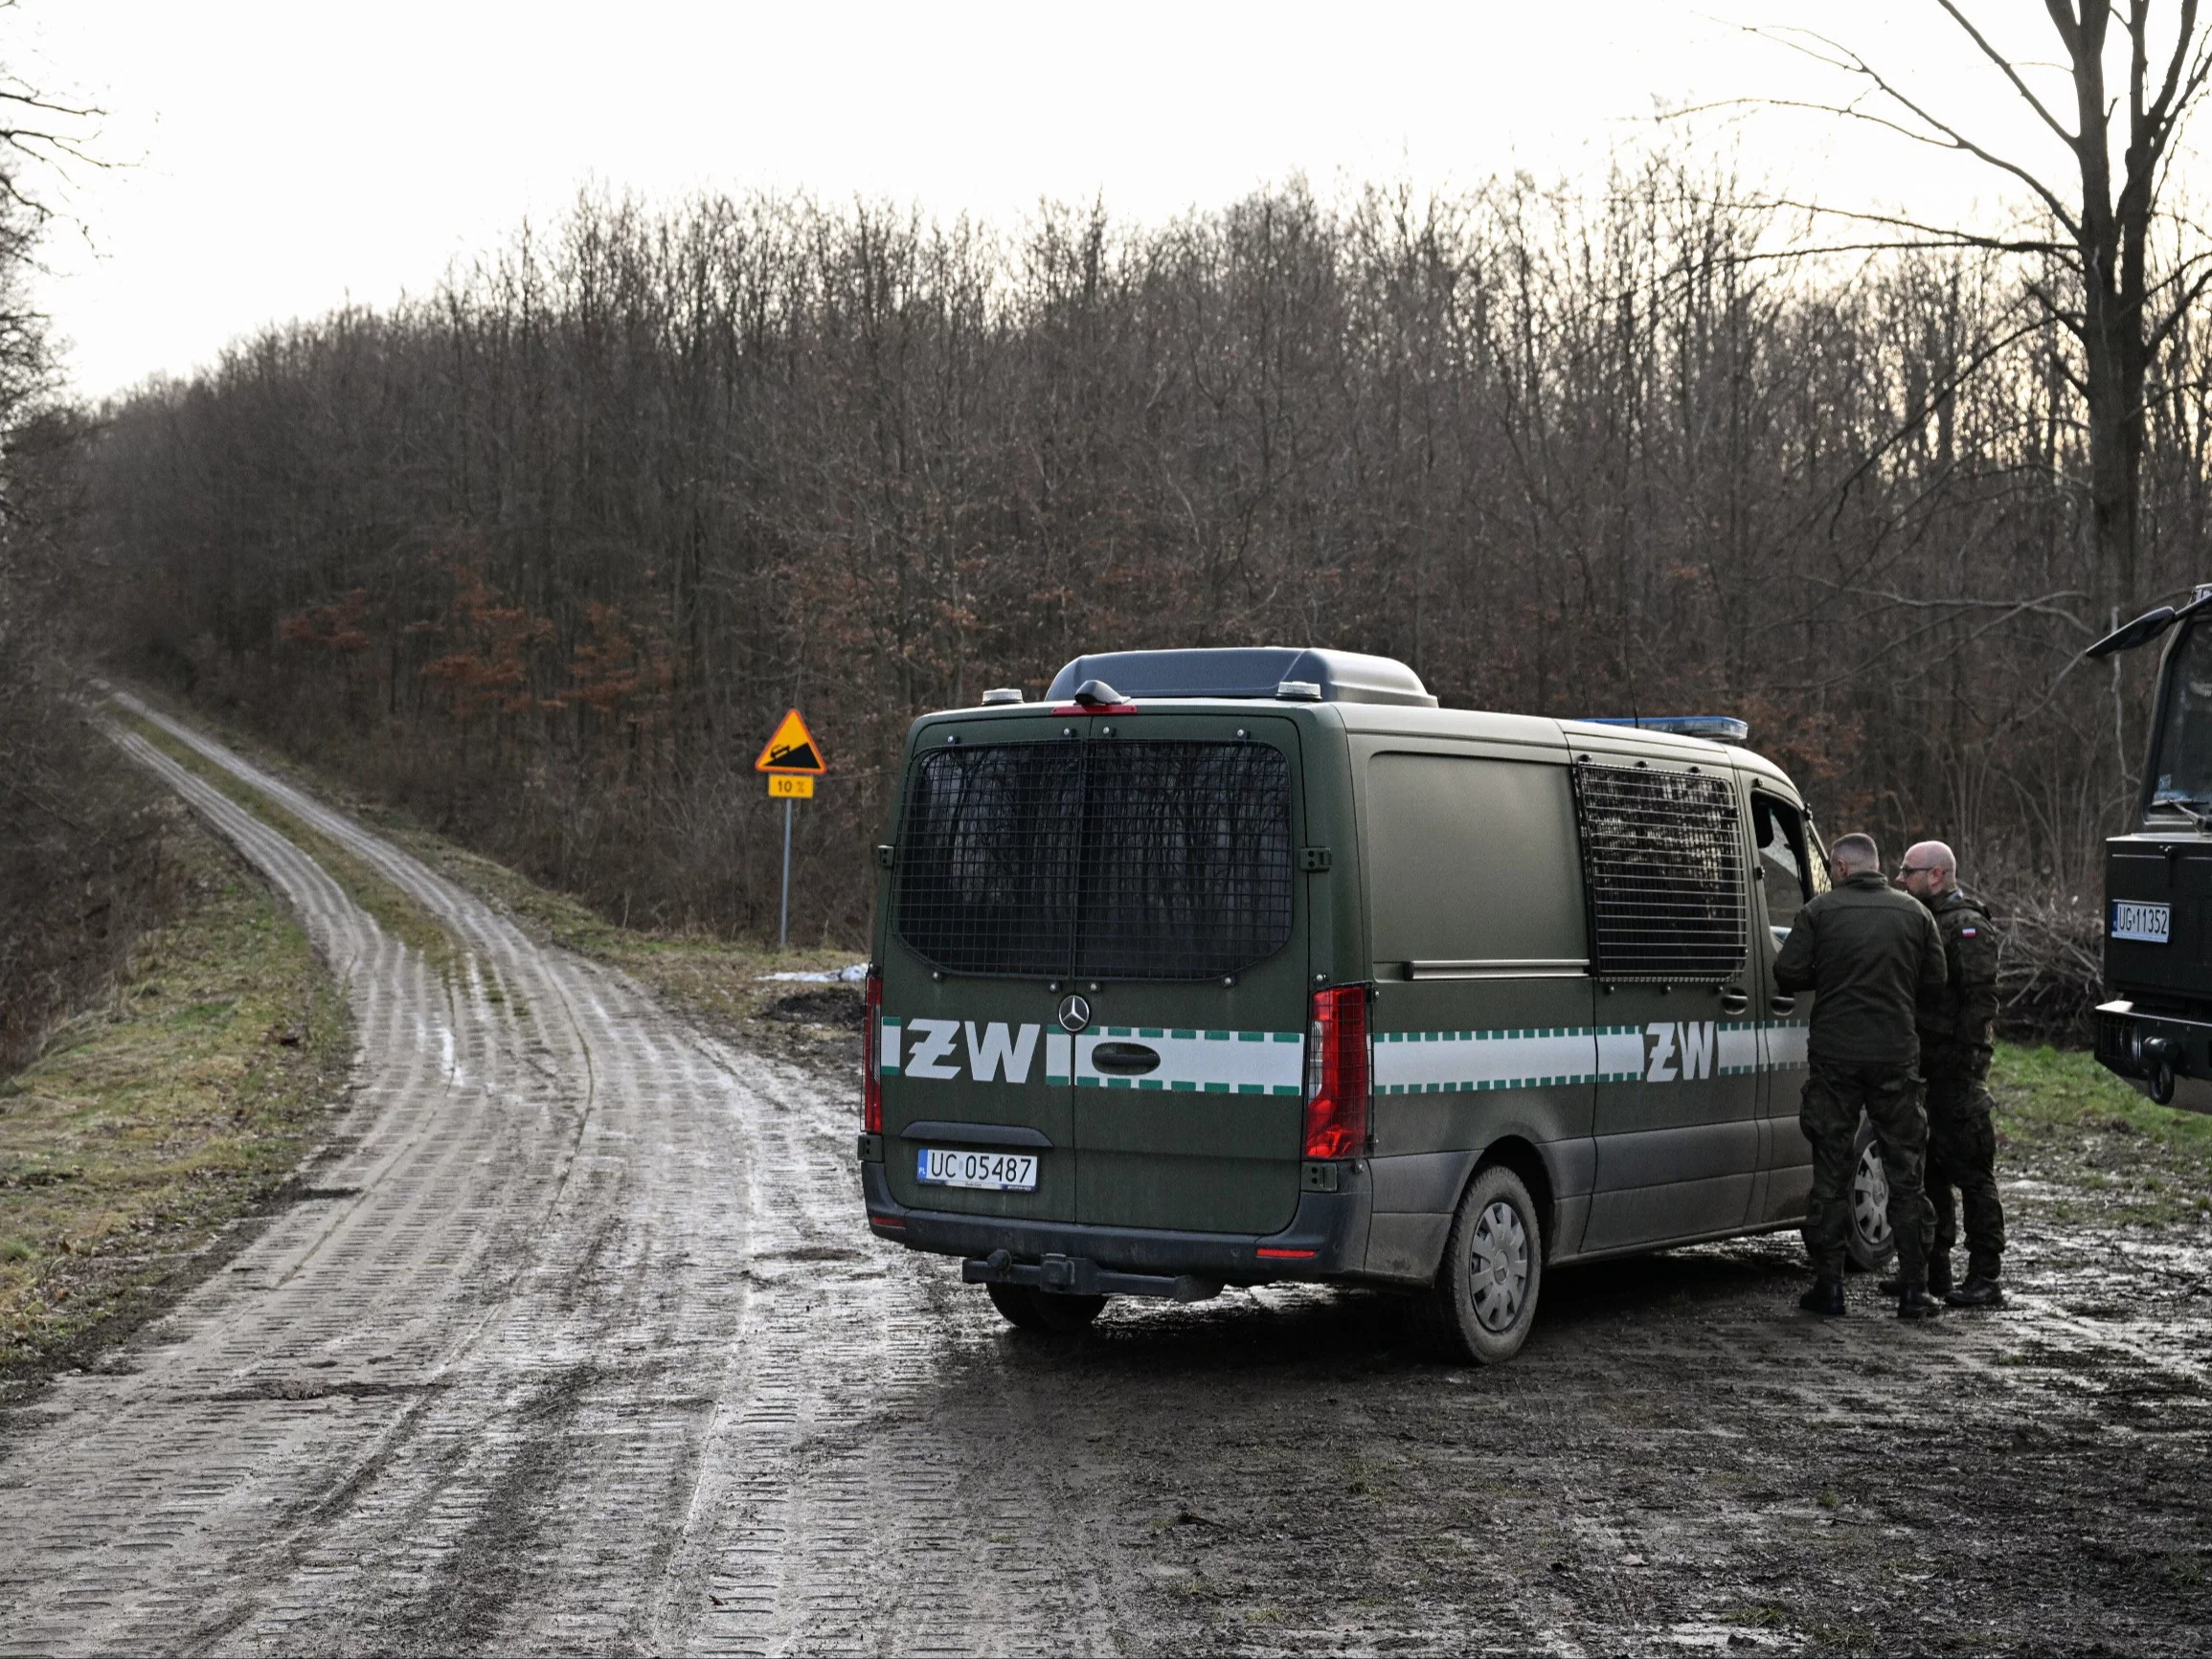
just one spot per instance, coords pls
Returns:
(1867, 1239)
(1017, 1304)
(1029, 1309)
(1473, 1313)
(1066, 1314)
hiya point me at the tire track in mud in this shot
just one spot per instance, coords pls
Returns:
(585, 1349)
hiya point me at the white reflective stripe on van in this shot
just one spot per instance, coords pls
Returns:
(1619, 1053)
(1197, 1062)
(1739, 1051)
(1406, 1062)
(1786, 1045)
(1663, 1051)
(1192, 1062)
(1425, 1062)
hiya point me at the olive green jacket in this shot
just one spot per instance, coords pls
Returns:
(1961, 1013)
(1867, 952)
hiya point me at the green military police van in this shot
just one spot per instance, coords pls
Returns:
(1222, 967)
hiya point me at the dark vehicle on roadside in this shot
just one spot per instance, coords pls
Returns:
(2158, 1026)
(1225, 967)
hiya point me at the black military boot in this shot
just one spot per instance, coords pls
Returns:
(1980, 1290)
(1826, 1297)
(1938, 1282)
(1916, 1303)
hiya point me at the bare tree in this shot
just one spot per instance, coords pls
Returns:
(2117, 307)
(79, 874)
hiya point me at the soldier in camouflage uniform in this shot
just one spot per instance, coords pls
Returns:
(1955, 1047)
(1869, 953)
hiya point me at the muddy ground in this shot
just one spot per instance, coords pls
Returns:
(582, 1346)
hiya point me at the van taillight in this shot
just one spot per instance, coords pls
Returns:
(871, 1052)
(1337, 1074)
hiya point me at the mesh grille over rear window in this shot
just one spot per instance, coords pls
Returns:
(1662, 866)
(1121, 859)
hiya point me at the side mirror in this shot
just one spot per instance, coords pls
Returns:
(2140, 631)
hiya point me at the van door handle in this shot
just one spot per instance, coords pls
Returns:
(1125, 1058)
(1733, 1000)
(1782, 1004)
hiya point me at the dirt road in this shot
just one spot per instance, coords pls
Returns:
(577, 1344)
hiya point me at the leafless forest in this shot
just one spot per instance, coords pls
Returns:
(81, 872)
(544, 553)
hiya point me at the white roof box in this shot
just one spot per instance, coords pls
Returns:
(1258, 671)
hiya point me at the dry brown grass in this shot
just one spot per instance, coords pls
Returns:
(161, 1118)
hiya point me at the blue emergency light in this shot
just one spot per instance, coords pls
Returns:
(1716, 728)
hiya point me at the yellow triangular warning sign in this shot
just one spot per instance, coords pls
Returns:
(791, 750)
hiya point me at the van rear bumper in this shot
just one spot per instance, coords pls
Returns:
(1327, 1237)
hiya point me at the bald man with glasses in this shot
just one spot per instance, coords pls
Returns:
(1955, 1024)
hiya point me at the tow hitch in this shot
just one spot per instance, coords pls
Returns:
(1081, 1276)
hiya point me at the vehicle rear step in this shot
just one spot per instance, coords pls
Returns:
(1081, 1276)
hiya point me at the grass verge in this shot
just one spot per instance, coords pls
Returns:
(159, 1119)
(2106, 1151)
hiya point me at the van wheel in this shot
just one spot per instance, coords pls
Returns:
(1018, 1305)
(1869, 1242)
(1484, 1298)
(1027, 1309)
(1065, 1313)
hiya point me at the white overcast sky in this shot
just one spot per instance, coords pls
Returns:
(286, 156)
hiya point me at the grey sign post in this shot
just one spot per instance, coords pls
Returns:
(792, 760)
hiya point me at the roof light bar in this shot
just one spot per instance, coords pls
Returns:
(1717, 728)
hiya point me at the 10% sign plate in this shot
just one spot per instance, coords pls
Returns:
(792, 760)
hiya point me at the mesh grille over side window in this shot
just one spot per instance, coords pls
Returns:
(1662, 866)
(1129, 859)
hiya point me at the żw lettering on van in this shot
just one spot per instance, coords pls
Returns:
(1680, 1051)
(992, 1050)
(995, 1048)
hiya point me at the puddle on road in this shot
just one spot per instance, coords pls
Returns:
(1700, 1637)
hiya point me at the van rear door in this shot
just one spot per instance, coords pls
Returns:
(1192, 958)
(976, 1072)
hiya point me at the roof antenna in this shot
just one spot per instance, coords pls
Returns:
(1628, 662)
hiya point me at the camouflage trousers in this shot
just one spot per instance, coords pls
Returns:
(1889, 1095)
(1962, 1159)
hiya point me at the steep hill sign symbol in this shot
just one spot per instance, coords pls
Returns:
(792, 749)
